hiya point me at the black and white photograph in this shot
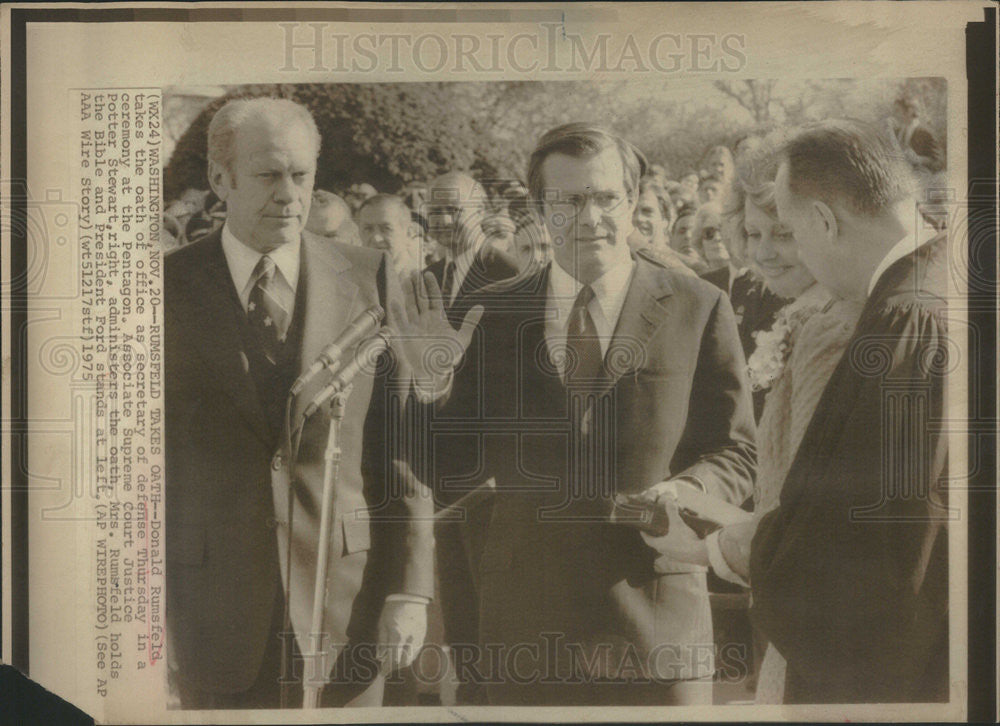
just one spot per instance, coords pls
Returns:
(497, 362)
(707, 303)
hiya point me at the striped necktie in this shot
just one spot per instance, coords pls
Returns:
(266, 314)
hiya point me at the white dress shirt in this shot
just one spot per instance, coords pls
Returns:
(605, 306)
(242, 259)
(463, 263)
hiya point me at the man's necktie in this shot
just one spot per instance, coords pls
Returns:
(582, 342)
(447, 282)
(266, 314)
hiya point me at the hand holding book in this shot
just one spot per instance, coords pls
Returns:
(674, 519)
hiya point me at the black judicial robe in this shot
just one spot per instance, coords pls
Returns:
(850, 572)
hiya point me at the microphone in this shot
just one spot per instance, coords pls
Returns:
(331, 355)
(367, 353)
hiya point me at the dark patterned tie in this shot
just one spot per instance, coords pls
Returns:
(582, 342)
(266, 314)
(446, 283)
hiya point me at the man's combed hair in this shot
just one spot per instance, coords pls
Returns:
(848, 161)
(583, 140)
(391, 201)
(228, 119)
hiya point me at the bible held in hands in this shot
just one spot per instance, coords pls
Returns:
(702, 512)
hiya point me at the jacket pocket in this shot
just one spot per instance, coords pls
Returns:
(357, 535)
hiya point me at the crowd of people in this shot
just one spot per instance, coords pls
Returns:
(691, 219)
(616, 335)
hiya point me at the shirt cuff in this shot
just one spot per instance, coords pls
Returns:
(431, 391)
(718, 561)
(404, 597)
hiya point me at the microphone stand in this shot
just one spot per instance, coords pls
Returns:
(316, 678)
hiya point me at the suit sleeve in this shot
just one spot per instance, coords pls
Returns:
(849, 573)
(403, 533)
(717, 448)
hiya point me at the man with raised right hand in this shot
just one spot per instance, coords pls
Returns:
(600, 374)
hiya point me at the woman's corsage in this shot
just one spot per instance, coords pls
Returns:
(768, 359)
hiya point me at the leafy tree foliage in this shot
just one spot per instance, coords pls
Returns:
(394, 133)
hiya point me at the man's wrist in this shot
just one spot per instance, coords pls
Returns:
(429, 390)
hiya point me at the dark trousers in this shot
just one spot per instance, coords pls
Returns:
(266, 689)
(459, 548)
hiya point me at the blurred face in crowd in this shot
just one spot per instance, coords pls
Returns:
(774, 253)
(455, 211)
(829, 258)
(710, 191)
(719, 165)
(268, 191)
(680, 238)
(903, 114)
(709, 239)
(689, 185)
(531, 248)
(327, 213)
(387, 227)
(590, 219)
(648, 219)
(734, 233)
(499, 229)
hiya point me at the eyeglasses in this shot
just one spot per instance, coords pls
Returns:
(571, 205)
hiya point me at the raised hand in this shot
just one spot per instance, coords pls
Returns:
(425, 342)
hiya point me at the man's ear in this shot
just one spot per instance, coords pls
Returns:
(828, 219)
(219, 180)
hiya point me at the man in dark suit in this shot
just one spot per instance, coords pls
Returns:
(248, 309)
(850, 572)
(601, 374)
(455, 211)
(754, 305)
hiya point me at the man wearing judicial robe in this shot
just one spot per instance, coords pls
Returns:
(601, 373)
(248, 309)
(850, 572)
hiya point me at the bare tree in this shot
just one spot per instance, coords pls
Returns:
(753, 95)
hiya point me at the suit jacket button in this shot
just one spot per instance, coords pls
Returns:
(276, 462)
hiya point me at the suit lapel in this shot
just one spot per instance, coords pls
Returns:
(215, 326)
(329, 303)
(475, 276)
(642, 315)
